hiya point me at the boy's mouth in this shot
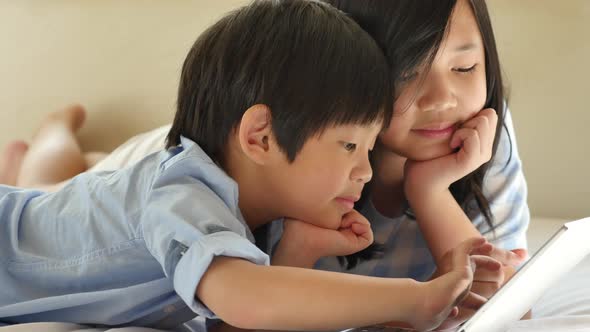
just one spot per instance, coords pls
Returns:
(347, 201)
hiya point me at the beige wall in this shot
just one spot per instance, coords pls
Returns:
(121, 59)
(545, 48)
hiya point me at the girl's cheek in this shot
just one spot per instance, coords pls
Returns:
(475, 95)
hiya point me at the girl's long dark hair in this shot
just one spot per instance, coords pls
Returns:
(410, 33)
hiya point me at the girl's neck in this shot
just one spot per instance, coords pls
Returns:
(387, 191)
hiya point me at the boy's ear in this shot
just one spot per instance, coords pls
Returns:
(255, 133)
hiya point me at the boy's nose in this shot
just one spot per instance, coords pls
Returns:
(362, 173)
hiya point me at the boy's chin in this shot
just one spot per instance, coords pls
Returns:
(327, 220)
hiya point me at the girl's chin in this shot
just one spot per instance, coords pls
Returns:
(432, 153)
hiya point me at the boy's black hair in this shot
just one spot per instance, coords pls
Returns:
(410, 33)
(308, 62)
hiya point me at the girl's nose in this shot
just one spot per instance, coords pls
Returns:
(437, 94)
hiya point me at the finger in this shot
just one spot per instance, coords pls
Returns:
(452, 322)
(349, 218)
(484, 250)
(363, 231)
(466, 313)
(485, 289)
(506, 257)
(521, 253)
(492, 123)
(346, 222)
(353, 217)
(468, 246)
(461, 261)
(479, 122)
(488, 276)
(469, 141)
(481, 125)
(485, 122)
(473, 301)
(489, 114)
(454, 312)
(486, 264)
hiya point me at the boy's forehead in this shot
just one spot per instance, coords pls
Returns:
(373, 128)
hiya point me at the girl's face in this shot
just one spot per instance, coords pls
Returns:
(432, 104)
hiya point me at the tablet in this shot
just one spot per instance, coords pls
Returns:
(559, 255)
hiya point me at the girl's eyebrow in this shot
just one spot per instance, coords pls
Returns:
(466, 47)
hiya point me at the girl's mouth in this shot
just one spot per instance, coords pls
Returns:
(442, 130)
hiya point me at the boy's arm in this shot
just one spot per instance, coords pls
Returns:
(302, 244)
(250, 296)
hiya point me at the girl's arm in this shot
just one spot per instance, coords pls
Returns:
(251, 296)
(442, 221)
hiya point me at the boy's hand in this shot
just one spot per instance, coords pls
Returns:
(473, 142)
(302, 244)
(443, 294)
(489, 275)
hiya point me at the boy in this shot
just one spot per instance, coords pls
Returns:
(279, 103)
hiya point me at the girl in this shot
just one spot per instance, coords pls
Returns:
(450, 120)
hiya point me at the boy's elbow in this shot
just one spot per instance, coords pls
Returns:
(250, 316)
(236, 301)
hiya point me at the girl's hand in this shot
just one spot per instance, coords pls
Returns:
(489, 275)
(443, 294)
(473, 142)
(302, 244)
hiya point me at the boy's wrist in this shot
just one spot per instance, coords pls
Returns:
(288, 253)
(421, 291)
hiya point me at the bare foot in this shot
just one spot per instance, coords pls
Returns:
(72, 117)
(11, 160)
(54, 154)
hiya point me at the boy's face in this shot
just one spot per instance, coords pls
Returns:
(327, 176)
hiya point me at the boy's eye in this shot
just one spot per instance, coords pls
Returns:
(350, 147)
(466, 70)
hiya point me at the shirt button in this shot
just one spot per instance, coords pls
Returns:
(169, 309)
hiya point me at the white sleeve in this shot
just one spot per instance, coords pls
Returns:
(133, 150)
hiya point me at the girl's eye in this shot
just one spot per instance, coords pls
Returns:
(350, 147)
(466, 70)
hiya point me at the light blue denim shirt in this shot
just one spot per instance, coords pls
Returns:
(120, 248)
